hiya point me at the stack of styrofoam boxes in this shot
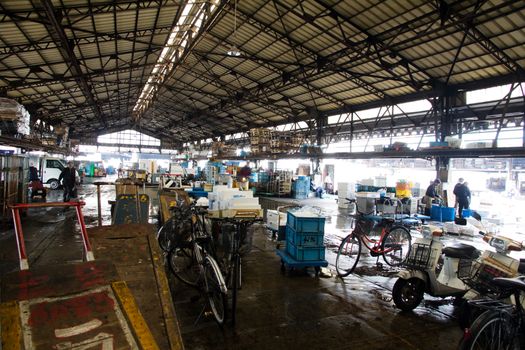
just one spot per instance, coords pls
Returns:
(380, 181)
(276, 221)
(305, 235)
(345, 190)
(301, 187)
(226, 201)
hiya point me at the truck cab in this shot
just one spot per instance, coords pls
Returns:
(50, 169)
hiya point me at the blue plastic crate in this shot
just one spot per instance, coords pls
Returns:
(301, 253)
(305, 224)
(304, 239)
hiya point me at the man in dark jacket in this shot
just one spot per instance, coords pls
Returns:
(33, 173)
(462, 193)
(431, 194)
(68, 178)
(456, 187)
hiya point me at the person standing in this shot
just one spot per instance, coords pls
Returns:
(456, 188)
(69, 180)
(463, 198)
(430, 195)
(33, 173)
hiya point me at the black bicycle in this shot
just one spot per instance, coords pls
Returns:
(192, 261)
(502, 325)
(235, 232)
(177, 227)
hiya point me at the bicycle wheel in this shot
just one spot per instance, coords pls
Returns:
(492, 330)
(166, 234)
(348, 255)
(183, 263)
(396, 245)
(214, 289)
(235, 285)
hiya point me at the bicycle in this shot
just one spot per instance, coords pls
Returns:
(175, 228)
(502, 325)
(232, 262)
(191, 262)
(393, 244)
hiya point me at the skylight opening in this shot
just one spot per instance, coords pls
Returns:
(190, 21)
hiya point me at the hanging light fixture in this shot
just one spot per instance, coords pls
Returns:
(234, 51)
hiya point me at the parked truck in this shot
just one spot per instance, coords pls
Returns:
(50, 169)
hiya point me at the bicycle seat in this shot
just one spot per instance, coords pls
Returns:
(510, 283)
(461, 251)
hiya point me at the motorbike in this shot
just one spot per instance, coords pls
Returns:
(37, 189)
(427, 273)
(490, 265)
(458, 270)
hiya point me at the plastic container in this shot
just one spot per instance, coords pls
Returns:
(435, 213)
(466, 213)
(304, 239)
(303, 224)
(301, 253)
(448, 214)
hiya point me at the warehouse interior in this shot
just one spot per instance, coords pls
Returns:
(254, 174)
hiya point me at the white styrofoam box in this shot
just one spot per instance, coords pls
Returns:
(367, 195)
(219, 188)
(274, 219)
(468, 230)
(345, 186)
(380, 181)
(367, 182)
(453, 142)
(243, 201)
(451, 227)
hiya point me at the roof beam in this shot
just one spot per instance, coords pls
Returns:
(469, 28)
(376, 42)
(313, 56)
(57, 32)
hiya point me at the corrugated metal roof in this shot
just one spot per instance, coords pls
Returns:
(324, 54)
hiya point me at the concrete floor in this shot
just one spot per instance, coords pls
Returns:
(300, 311)
(275, 311)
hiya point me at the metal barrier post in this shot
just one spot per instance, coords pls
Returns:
(20, 240)
(99, 209)
(87, 245)
(24, 264)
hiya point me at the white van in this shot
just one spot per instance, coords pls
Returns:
(50, 169)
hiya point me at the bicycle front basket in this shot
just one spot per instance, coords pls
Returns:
(419, 257)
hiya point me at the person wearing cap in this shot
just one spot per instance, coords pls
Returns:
(430, 195)
(68, 178)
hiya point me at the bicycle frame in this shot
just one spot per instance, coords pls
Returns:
(366, 240)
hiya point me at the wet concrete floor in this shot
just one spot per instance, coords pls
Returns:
(296, 310)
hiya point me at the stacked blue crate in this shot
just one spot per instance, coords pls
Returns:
(305, 237)
(301, 187)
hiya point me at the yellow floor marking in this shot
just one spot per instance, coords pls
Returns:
(132, 313)
(170, 317)
(10, 326)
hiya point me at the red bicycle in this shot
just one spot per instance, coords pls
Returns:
(386, 237)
